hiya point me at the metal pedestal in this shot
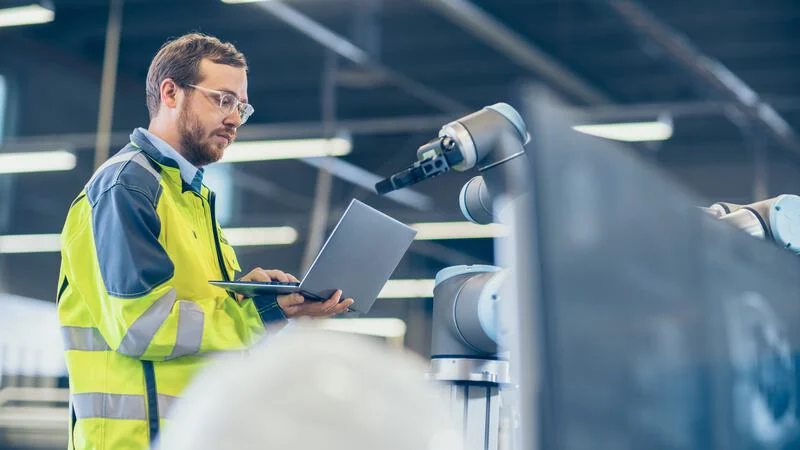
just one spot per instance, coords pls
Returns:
(472, 387)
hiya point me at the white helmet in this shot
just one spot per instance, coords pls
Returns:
(315, 390)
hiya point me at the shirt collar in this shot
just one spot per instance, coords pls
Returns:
(190, 174)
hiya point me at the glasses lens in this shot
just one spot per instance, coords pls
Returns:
(227, 103)
(245, 111)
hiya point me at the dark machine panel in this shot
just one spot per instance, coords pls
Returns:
(660, 328)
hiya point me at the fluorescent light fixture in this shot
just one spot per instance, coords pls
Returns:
(382, 327)
(456, 230)
(286, 149)
(408, 289)
(25, 15)
(239, 237)
(244, 237)
(27, 162)
(30, 243)
(660, 130)
(241, 1)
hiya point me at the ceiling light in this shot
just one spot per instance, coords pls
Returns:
(241, 1)
(25, 15)
(238, 237)
(382, 327)
(37, 162)
(244, 237)
(456, 230)
(659, 130)
(30, 243)
(286, 149)
(407, 289)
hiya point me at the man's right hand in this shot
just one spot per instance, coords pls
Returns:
(295, 305)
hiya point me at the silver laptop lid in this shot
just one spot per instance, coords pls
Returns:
(359, 256)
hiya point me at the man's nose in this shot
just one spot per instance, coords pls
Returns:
(233, 120)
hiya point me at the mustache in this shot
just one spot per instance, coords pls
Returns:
(229, 133)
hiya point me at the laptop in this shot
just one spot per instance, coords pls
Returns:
(359, 256)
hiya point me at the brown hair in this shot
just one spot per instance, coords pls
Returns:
(179, 59)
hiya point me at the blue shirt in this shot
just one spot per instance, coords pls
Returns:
(190, 174)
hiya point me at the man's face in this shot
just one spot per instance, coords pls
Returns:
(205, 130)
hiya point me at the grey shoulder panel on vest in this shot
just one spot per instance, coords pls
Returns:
(124, 195)
(129, 168)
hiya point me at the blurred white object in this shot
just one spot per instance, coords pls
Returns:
(391, 329)
(315, 390)
(30, 338)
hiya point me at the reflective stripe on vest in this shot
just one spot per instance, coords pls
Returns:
(95, 405)
(190, 330)
(88, 339)
(134, 156)
(141, 332)
(83, 338)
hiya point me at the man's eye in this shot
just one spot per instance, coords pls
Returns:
(227, 101)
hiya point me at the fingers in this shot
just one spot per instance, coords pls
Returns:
(257, 274)
(319, 309)
(262, 275)
(286, 301)
(342, 307)
(331, 303)
(295, 305)
(337, 308)
(278, 275)
(330, 307)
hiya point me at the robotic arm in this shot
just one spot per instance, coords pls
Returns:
(775, 219)
(466, 300)
(491, 140)
(487, 139)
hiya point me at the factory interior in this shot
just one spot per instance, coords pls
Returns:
(563, 225)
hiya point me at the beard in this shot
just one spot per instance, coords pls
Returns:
(196, 144)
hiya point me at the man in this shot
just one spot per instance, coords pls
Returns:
(140, 243)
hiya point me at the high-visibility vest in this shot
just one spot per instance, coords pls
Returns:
(137, 313)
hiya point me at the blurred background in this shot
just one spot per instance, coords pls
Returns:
(708, 91)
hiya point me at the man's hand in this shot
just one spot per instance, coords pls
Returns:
(295, 305)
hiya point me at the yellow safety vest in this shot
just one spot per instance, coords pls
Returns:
(137, 314)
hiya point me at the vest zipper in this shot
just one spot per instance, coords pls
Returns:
(220, 259)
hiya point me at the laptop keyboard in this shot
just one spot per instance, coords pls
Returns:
(282, 283)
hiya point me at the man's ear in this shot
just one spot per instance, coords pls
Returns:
(169, 93)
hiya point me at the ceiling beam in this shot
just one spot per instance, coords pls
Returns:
(378, 126)
(342, 169)
(710, 72)
(702, 108)
(511, 44)
(356, 55)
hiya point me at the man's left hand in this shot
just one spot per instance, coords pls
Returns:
(295, 305)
